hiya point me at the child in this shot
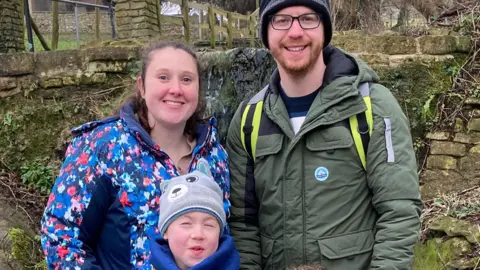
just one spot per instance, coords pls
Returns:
(191, 225)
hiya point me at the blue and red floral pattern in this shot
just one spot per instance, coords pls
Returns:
(105, 203)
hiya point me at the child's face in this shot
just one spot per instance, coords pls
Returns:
(193, 237)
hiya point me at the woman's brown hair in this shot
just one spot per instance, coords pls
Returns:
(140, 107)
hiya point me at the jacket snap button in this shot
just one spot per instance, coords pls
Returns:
(330, 151)
(350, 258)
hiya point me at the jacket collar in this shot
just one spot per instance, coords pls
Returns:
(226, 257)
(339, 97)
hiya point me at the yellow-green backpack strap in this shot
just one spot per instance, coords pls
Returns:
(361, 125)
(250, 125)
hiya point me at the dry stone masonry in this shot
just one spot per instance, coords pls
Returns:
(454, 161)
(136, 18)
(11, 26)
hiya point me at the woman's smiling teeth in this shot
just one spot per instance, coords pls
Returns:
(175, 103)
(296, 49)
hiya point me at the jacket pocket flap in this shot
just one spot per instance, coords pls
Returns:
(346, 245)
(334, 137)
(269, 145)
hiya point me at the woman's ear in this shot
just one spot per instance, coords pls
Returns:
(140, 86)
(165, 236)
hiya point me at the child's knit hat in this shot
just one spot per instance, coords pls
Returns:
(190, 193)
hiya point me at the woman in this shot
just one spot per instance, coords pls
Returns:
(105, 203)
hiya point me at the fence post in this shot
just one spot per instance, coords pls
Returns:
(54, 25)
(211, 24)
(28, 24)
(221, 24)
(97, 20)
(111, 13)
(76, 23)
(159, 13)
(251, 28)
(186, 21)
(200, 21)
(229, 30)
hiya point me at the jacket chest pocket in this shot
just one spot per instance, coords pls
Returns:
(332, 156)
(268, 162)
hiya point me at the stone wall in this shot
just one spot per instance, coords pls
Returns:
(66, 22)
(68, 83)
(454, 161)
(11, 26)
(136, 18)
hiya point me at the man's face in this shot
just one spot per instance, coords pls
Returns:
(296, 50)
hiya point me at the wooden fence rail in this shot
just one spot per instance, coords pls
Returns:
(231, 26)
(217, 21)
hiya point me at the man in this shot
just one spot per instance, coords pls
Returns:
(302, 192)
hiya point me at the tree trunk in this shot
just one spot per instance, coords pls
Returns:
(403, 16)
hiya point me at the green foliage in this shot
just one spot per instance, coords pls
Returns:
(26, 249)
(38, 174)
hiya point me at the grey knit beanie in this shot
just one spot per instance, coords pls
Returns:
(190, 193)
(270, 7)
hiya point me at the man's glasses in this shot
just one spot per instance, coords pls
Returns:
(285, 22)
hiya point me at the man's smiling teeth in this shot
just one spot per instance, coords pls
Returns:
(296, 49)
(173, 103)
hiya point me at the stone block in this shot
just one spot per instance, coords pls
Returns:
(470, 138)
(11, 92)
(464, 44)
(438, 44)
(17, 64)
(107, 66)
(55, 64)
(375, 59)
(51, 83)
(110, 54)
(7, 83)
(139, 19)
(441, 162)
(138, 5)
(436, 182)
(121, 7)
(439, 136)
(142, 33)
(68, 81)
(472, 101)
(391, 45)
(474, 125)
(448, 148)
(459, 127)
(99, 78)
(470, 165)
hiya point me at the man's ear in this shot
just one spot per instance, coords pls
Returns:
(140, 86)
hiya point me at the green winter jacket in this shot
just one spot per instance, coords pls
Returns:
(286, 213)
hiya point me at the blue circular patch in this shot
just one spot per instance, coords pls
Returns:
(321, 173)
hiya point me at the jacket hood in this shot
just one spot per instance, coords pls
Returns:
(203, 133)
(339, 97)
(225, 258)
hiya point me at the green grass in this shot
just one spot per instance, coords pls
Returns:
(65, 41)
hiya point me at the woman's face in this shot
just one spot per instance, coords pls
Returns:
(171, 87)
